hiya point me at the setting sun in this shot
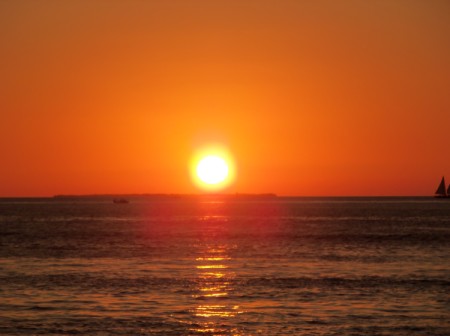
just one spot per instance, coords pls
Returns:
(212, 170)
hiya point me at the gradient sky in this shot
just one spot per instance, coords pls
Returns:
(311, 97)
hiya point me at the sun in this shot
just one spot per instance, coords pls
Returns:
(212, 169)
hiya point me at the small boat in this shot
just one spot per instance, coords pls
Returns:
(120, 201)
(441, 192)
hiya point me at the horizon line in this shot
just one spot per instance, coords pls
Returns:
(175, 195)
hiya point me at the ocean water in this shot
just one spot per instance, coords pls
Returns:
(191, 266)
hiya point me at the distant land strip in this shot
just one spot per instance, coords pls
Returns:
(170, 196)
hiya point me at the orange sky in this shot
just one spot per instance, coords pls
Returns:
(310, 97)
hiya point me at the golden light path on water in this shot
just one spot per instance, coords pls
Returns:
(214, 288)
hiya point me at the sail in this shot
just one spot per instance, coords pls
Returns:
(448, 190)
(441, 189)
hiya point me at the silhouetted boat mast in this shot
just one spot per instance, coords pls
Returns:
(441, 192)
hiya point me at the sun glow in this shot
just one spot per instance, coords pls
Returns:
(212, 168)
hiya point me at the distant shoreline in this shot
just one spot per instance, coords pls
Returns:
(165, 196)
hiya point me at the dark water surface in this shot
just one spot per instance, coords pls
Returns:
(295, 266)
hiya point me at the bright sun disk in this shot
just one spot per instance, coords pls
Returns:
(212, 169)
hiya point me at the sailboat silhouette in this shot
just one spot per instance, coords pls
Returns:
(441, 192)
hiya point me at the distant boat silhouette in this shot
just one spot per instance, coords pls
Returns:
(441, 192)
(120, 201)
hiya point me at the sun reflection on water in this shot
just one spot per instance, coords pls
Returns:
(215, 286)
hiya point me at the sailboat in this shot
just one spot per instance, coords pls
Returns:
(441, 192)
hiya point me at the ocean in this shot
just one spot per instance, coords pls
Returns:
(197, 266)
